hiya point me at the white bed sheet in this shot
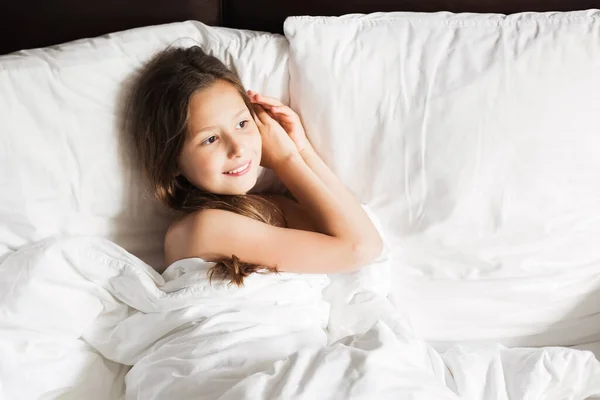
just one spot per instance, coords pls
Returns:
(475, 139)
(75, 314)
(78, 312)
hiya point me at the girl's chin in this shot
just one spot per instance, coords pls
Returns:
(242, 188)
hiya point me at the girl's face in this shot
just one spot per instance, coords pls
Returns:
(222, 150)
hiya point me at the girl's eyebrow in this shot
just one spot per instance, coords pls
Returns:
(243, 110)
(208, 128)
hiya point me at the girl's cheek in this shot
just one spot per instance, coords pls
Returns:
(208, 162)
(257, 137)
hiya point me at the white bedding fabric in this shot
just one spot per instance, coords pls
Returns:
(68, 302)
(475, 138)
(490, 196)
(65, 163)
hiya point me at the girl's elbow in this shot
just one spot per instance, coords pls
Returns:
(368, 251)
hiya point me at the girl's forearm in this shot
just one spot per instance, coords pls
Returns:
(334, 209)
(346, 198)
(318, 166)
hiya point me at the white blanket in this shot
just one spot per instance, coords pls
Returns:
(77, 313)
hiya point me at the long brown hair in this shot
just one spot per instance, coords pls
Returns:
(157, 115)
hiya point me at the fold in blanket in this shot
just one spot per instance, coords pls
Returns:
(67, 301)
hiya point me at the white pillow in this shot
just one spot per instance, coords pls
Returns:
(65, 166)
(475, 139)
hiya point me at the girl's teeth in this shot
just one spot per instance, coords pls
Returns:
(235, 171)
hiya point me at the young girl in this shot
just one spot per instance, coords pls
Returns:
(201, 138)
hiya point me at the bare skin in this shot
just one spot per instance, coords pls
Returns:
(328, 229)
(295, 215)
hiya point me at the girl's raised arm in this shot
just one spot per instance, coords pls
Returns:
(346, 239)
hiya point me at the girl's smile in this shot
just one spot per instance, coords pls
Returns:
(223, 142)
(240, 170)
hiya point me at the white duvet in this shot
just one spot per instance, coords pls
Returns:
(492, 194)
(84, 319)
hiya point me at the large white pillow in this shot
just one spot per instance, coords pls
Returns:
(476, 140)
(65, 167)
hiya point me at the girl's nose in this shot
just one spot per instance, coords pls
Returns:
(236, 148)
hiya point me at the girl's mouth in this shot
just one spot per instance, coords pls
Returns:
(241, 170)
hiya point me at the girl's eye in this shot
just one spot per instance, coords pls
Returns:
(242, 124)
(210, 140)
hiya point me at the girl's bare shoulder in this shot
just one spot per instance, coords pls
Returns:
(175, 238)
(181, 234)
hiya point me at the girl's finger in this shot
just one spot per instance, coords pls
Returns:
(277, 114)
(281, 110)
(281, 118)
(284, 112)
(261, 114)
(264, 100)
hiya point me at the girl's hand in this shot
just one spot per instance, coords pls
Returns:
(285, 116)
(277, 146)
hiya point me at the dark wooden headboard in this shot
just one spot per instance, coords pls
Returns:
(269, 15)
(38, 23)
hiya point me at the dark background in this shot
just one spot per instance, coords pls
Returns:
(39, 23)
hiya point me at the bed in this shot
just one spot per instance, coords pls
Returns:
(473, 146)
